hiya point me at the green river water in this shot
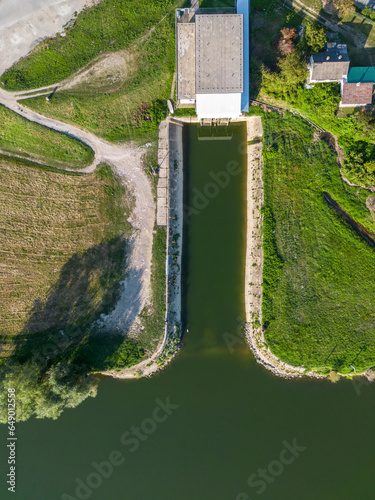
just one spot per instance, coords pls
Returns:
(235, 421)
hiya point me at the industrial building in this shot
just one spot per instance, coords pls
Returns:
(212, 59)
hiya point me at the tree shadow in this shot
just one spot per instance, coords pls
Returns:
(66, 323)
(217, 4)
(356, 36)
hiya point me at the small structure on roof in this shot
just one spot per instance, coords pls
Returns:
(332, 65)
(212, 58)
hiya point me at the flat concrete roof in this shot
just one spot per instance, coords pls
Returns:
(219, 53)
(185, 61)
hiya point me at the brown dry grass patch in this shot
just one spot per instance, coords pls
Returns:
(58, 256)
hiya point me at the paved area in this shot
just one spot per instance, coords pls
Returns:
(25, 23)
(163, 182)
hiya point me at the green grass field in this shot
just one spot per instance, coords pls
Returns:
(21, 137)
(319, 274)
(63, 247)
(131, 110)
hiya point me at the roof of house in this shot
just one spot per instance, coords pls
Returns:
(364, 74)
(219, 53)
(357, 93)
(330, 65)
(335, 52)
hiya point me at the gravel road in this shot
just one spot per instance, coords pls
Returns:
(23, 24)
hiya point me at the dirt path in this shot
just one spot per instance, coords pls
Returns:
(126, 160)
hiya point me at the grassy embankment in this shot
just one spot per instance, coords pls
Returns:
(63, 243)
(29, 140)
(116, 108)
(319, 274)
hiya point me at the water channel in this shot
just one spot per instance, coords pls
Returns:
(230, 422)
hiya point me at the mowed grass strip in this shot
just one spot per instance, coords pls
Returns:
(134, 108)
(109, 26)
(27, 139)
(319, 274)
(63, 248)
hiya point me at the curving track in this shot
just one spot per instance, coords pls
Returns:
(125, 159)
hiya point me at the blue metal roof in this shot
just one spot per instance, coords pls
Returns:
(243, 7)
(363, 74)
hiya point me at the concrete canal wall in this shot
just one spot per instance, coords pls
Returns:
(170, 215)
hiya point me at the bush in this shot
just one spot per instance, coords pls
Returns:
(315, 38)
(359, 165)
(128, 354)
(286, 43)
(334, 376)
(367, 11)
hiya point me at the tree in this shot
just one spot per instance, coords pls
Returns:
(315, 37)
(293, 69)
(44, 394)
(367, 11)
(24, 379)
(364, 120)
(286, 45)
(344, 7)
(359, 164)
(370, 168)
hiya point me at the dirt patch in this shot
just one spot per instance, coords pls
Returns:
(370, 204)
(142, 113)
(105, 74)
(332, 143)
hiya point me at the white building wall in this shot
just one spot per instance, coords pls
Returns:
(218, 106)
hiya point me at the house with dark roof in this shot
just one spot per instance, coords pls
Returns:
(358, 88)
(332, 65)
